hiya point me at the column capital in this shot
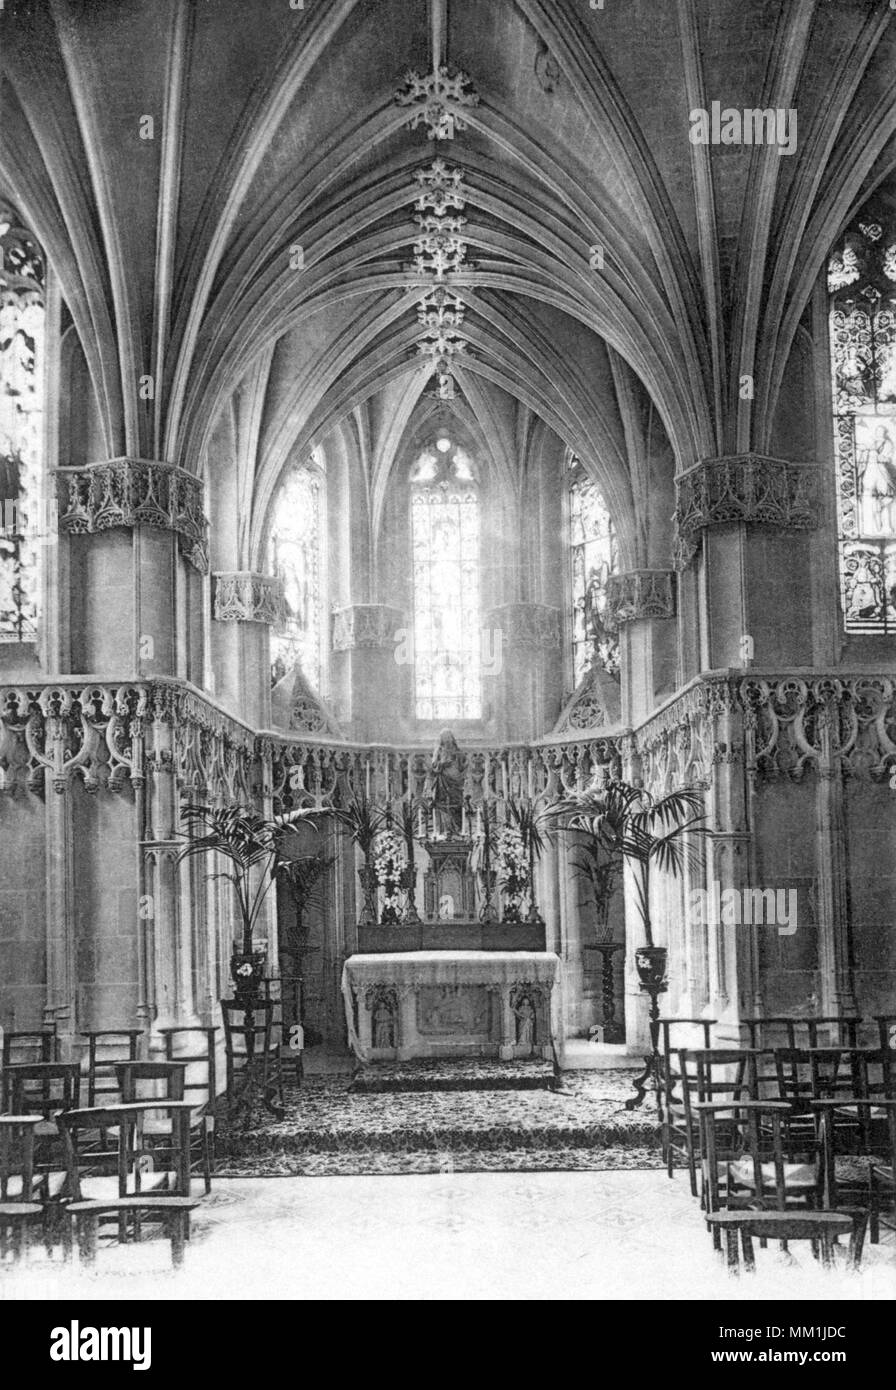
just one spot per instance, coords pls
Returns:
(365, 625)
(527, 625)
(245, 597)
(637, 594)
(748, 488)
(128, 492)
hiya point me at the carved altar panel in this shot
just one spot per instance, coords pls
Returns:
(444, 1011)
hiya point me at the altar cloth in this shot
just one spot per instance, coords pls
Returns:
(396, 980)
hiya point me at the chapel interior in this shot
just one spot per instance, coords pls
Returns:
(404, 415)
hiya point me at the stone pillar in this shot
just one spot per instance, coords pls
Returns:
(636, 601)
(522, 666)
(733, 947)
(137, 546)
(367, 666)
(61, 1006)
(744, 519)
(245, 604)
(835, 953)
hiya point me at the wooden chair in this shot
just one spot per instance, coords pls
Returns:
(105, 1048)
(846, 1027)
(138, 1194)
(204, 1087)
(674, 1133)
(886, 1027)
(252, 1048)
(31, 1045)
(142, 1081)
(285, 992)
(42, 1090)
(18, 1211)
(762, 1196)
(708, 1074)
(882, 1181)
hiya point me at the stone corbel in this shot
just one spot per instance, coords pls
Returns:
(639, 594)
(365, 625)
(128, 492)
(245, 597)
(743, 488)
(532, 625)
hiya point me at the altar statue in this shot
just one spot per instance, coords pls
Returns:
(447, 782)
(525, 1024)
(383, 1026)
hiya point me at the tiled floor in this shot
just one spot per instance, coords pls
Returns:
(567, 1236)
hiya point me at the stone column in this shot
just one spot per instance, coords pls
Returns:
(367, 666)
(835, 954)
(246, 605)
(137, 548)
(637, 600)
(522, 666)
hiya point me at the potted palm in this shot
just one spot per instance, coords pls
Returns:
(529, 825)
(649, 833)
(362, 821)
(253, 847)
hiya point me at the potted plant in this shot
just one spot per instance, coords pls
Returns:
(362, 821)
(253, 846)
(404, 823)
(526, 824)
(628, 823)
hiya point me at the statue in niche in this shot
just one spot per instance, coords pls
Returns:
(382, 1027)
(524, 1010)
(447, 783)
(446, 908)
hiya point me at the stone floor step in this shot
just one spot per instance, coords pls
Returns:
(453, 1074)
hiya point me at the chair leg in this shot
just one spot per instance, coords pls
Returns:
(827, 1252)
(873, 1211)
(732, 1259)
(179, 1226)
(857, 1238)
(87, 1233)
(746, 1241)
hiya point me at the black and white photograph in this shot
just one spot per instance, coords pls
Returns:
(448, 667)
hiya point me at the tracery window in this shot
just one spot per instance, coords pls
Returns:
(862, 285)
(295, 559)
(445, 529)
(593, 558)
(22, 527)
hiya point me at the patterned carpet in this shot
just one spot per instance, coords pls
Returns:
(331, 1129)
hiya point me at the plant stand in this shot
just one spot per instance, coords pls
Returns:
(651, 966)
(608, 989)
(251, 1090)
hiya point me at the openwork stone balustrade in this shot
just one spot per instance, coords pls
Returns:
(115, 734)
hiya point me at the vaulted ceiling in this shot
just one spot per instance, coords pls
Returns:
(275, 128)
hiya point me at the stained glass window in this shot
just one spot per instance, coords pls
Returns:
(295, 558)
(593, 557)
(862, 284)
(445, 539)
(22, 526)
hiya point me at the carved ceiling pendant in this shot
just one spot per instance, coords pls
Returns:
(438, 100)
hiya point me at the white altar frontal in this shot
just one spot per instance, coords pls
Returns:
(450, 1004)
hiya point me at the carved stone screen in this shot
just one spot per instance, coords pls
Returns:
(862, 282)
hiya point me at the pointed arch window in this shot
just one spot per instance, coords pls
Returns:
(445, 535)
(862, 286)
(23, 518)
(295, 558)
(594, 556)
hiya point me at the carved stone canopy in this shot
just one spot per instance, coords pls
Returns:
(135, 492)
(743, 487)
(244, 597)
(638, 594)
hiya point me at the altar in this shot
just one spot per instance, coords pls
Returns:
(450, 1004)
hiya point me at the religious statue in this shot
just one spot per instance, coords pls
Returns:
(525, 1024)
(879, 484)
(383, 1025)
(447, 783)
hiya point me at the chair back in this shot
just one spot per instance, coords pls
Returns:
(106, 1047)
(41, 1088)
(843, 1028)
(34, 1045)
(140, 1080)
(122, 1123)
(248, 1028)
(201, 1074)
(725, 1072)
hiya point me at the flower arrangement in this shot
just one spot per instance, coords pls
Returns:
(514, 868)
(389, 864)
